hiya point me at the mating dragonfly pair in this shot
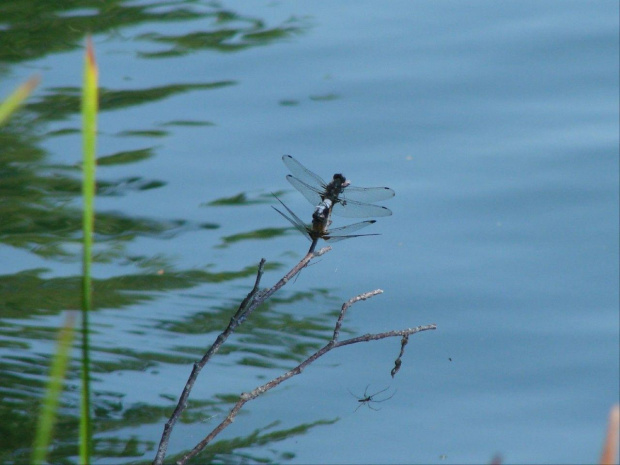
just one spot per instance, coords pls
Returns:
(337, 197)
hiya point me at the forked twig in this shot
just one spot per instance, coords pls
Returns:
(398, 362)
(247, 306)
(332, 344)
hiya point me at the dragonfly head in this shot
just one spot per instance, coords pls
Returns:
(335, 187)
(340, 181)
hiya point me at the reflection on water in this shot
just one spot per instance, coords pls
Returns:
(272, 339)
(230, 32)
(243, 448)
(40, 215)
(61, 103)
(42, 28)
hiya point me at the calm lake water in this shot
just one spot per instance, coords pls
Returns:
(496, 123)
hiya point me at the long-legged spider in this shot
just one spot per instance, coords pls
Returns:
(367, 399)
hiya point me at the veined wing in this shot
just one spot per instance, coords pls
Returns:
(313, 234)
(311, 193)
(349, 201)
(353, 209)
(303, 174)
(339, 234)
(345, 206)
(367, 194)
(310, 232)
(294, 220)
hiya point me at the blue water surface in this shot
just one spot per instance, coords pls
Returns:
(496, 123)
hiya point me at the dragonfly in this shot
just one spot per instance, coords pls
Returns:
(348, 201)
(320, 224)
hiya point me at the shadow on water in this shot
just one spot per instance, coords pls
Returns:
(40, 216)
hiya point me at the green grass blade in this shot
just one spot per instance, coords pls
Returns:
(89, 133)
(47, 416)
(16, 98)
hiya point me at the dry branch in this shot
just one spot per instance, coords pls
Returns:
(245, 309)
(332, 344)
(247, 306)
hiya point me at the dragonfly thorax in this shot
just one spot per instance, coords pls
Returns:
(320, 216)
(319, 229)
(346, 200)
(334, 189)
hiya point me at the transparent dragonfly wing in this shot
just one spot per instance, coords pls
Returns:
(346, 207)
(342, 238)
(353, 209)
(339, 234)
(331, 235)
(294, 219)
(348, 229)
(313, 195)
(368, 194)
(299, 228)
(302, 173)
(351, 202)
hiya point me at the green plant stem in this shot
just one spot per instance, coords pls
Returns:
(89, 133)
(16, 98)
(47, 416)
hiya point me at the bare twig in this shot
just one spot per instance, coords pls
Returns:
(332, 344)
(398, 362)
(347, 304)
(247, 306)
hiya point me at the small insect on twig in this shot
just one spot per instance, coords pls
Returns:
(367, 399)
